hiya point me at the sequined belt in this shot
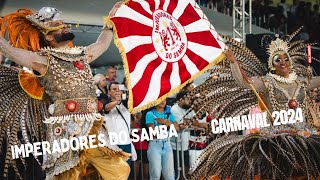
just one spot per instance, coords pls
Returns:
(76, 106)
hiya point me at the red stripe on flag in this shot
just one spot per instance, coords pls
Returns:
(138, 7)
(130, 27)
(161, 4)
(188, 16)
(172, 5)
(209, 39)
(137, 53)
(139, 91)
(165, 80)
(183, 72)
(152, 5)
(197, 60)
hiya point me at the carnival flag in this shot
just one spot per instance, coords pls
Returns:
(164, 45)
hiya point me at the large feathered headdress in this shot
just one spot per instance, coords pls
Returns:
(293, 49)
(24, 27)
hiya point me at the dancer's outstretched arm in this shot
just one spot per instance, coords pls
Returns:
(101, 45)
(236, 73)
(23, 57)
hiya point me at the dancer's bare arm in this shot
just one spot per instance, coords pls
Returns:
(236, 73)
(23, 57)
(102, 44)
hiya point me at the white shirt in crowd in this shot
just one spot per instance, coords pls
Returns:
(178, 113)
(115, 123)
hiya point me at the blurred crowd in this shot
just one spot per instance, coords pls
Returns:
(169, 158)
(279, 18)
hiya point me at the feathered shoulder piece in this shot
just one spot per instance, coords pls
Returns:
(21, 31)
(19, 113)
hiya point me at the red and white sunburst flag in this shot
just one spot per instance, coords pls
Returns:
(164, 45)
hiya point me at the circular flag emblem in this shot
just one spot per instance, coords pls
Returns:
(168, 36)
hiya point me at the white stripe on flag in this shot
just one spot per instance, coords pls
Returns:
(155, 84)
(141, 65)
(182, 4)
(174, 77)
(191, 67)
(199, 11)
(145, 5)
(165, 5)
(157, 3)
(126, 12)
(131, 42)
(208, 53)
(197, 26)
(218, 38)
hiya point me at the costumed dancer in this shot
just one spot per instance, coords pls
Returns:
(62, 77)
(277, 152)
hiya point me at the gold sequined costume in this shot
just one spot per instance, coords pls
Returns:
(65, 82)
(59, 104)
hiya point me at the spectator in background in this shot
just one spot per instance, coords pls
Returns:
(315, 11)
(196, 142)
(101, 88)
(189, 87)
(212, 4)
(125, 91)
(203, 3)
(111, 75)
(141, 148)
(228, 7)
(300, 13)
(179, 110)
(118, 118)
(160, 154)
(285, 8)
(315, 24)
(293, 8)
(277, 20)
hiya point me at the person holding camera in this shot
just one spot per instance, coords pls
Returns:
(160, 154)
(118, 119)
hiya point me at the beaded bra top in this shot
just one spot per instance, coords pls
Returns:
(278, 96)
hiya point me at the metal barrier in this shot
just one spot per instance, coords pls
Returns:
(181, 167)
(182, 172)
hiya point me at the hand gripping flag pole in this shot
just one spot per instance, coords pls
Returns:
(249, 81)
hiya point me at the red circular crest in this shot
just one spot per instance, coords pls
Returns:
(71, 105)
(78, 65)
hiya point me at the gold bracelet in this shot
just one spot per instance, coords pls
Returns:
(105, 27)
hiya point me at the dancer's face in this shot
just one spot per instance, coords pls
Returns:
(282, 64)
(62, 34)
